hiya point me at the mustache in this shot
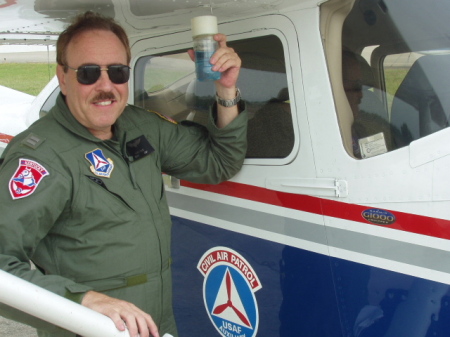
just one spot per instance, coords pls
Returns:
(104, 96)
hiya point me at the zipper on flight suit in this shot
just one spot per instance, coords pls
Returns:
(135, 149)
(130, 169)
(122, 153)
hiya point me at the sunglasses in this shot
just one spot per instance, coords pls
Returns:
(89, 74)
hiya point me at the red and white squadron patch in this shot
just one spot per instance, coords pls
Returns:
(26, 178)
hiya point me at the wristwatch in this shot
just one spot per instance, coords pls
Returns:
(229, 102)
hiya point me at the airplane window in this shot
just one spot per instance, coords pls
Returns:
(393, 73)
(161, 83)
(167, 84)
(420, 104)
(49, 103)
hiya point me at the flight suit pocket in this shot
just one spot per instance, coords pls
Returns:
(102, 184)
(116, 283)
(99, 198)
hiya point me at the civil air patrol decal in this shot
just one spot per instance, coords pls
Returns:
(229, 292)
(100, 165)
(26, 178)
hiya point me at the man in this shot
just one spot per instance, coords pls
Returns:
(365, 123)
(81, 190)
(352, 81)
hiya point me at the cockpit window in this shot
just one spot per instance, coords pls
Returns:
(49, 103)
(167, 84)
(393, 72)
(421, 103)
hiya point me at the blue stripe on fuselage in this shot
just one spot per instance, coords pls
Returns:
(305, 293)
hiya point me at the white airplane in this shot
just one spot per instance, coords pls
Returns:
(338, 224)
(19, 110)
(14, 104)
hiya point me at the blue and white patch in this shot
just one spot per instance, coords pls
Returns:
(100, 165)
(229, 292)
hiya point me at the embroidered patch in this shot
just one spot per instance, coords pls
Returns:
(164, 117)
(26, 178)
(100, 165)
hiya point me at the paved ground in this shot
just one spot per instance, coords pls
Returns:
(26, 57)
(13, 329)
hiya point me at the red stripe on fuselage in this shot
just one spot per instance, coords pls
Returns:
(404, 221)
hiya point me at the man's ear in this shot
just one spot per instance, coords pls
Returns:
(61, 78)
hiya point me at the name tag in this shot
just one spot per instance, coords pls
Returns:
(139, 148)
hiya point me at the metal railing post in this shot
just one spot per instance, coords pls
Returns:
(55, 309)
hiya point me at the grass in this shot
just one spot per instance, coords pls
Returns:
(394, 76)
(30, 78)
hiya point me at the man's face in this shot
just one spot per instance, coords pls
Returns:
(96, 106)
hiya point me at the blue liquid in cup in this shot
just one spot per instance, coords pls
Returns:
(203, 68)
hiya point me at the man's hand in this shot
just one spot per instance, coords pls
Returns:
(122, 313)
(227, 62)
(224, 60)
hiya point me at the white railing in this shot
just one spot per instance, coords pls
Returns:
(55, 309)
(48, 306)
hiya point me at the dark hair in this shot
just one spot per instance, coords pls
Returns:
(86, 22)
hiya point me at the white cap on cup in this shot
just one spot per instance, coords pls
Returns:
(204, 25)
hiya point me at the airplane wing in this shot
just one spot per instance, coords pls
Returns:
(41, 21)
(20, 23)
(14, 106)
(11, 96)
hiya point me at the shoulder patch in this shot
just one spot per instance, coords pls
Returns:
(166, 118)
(33, 141)
(26, 178)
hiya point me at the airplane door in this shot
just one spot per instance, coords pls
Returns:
(248, 253)
(388, 238)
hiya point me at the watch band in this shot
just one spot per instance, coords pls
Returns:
(229, 102)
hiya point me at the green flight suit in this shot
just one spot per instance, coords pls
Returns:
(110, 234)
